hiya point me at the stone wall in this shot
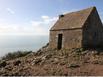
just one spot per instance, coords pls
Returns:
(93, 31)
(71, 38)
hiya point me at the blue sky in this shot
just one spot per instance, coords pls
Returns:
(35, 17)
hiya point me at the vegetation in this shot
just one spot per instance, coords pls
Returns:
(53, 62)
(13, 55)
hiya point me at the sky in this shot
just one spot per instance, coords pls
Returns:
(36, 17)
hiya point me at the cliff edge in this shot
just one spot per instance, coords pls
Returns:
(47, 62)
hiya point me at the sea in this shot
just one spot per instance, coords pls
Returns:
(13, 43)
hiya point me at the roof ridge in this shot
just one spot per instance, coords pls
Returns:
(90, 8)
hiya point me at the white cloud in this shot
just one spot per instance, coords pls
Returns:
(45, 17)
(10, 10)
(42, 27)
(30, 28)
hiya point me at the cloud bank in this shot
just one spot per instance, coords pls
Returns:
(32, 27)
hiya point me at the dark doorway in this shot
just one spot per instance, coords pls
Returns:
(60, 41)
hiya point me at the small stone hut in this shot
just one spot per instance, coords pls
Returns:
(77, 29)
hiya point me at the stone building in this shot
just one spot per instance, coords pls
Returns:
(77, 29)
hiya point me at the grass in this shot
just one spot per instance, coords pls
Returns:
(13, 55)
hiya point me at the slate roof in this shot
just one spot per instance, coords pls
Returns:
(73, 20)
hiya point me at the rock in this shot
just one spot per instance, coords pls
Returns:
(62, 63)
(9, 68)
(55, 61)
(73, 66)
(39, 52)
(3, 64)
(46, 57)
(95, 62)
(95, 52)
(49, 56)
(84, 52)
(36, 61)
(16, 63)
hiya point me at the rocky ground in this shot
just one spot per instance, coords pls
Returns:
(47, 62)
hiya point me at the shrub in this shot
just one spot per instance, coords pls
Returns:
(3, 64)
(13, 55)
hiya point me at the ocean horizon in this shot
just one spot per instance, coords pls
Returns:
(13, 43)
